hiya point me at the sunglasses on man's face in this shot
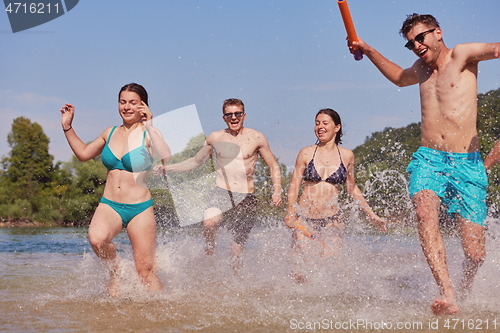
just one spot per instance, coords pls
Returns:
(229, 115)
(418, 38)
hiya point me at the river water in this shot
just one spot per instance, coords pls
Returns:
(51, 281)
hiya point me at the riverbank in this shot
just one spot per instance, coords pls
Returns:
(31, 224)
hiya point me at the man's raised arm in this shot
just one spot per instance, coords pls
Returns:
(393, 72)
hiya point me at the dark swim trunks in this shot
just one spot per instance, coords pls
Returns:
(239, 212)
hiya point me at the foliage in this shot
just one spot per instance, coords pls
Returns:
(264, 189)
(488, 126)
(381, 170)
(29, 178)
(85, 190)
(390, 149)
(193, 146)
(29, 164)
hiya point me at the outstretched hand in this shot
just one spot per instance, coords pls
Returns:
(276, 199)
(67, 114)
(159, 170)
(357, 45)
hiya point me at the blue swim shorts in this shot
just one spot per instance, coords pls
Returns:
(459, 179)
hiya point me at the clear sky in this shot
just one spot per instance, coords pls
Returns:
(286, 59)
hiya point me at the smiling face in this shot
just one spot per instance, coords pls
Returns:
(128, 102)
(326, 129)
(427, 43)
(234, 116)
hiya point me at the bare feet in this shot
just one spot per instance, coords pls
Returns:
(113, 285)
(469, 271)
(209, 251)
(152, 282)
(444, 307)
(464, 290)
(299, 278)
(236, 264)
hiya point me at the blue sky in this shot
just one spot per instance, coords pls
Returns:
(284, 59)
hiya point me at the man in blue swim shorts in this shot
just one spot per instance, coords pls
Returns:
(459, 179)
(447, 168)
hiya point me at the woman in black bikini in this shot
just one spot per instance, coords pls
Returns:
(322, 168)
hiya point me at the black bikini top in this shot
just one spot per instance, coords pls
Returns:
(338, 177)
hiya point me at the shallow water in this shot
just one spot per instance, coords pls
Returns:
(50, 281)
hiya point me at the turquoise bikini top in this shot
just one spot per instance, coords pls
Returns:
(135, 160)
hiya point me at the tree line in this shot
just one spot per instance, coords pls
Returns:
(34, 188)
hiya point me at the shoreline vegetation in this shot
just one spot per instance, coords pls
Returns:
(36, 192)
(31, 224)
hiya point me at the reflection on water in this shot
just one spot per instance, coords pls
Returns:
(51, 281)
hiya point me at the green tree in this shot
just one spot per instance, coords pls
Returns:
(488, 125)
(29, 164)
(84, 190)
(29, 176)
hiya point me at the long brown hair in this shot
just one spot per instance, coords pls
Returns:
(336, 120)
(138, 89)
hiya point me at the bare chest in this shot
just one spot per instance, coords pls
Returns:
(235, 150)
(448, 93)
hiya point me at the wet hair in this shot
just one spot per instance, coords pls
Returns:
(138, 89)
(414, 19)
(336, 120)
(232, 101)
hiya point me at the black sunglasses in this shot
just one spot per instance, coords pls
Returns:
(238, 114)
(418, 38)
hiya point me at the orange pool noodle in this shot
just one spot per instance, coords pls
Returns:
(349, 27)
(304, 230)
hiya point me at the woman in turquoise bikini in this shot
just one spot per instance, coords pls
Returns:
(126, 151)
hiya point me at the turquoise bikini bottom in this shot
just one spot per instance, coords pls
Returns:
(127, 211)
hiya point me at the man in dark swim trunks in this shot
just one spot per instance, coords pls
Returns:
(236, 151)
